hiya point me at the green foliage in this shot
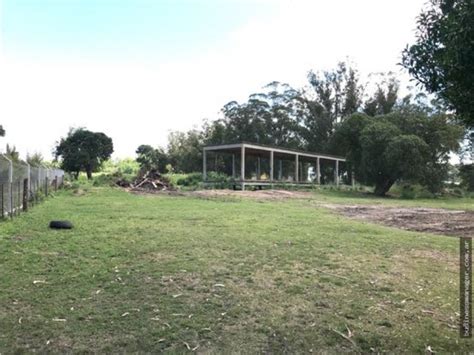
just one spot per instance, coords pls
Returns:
(185, 151)
(406, 144)
(385, 97)
(466, 172)
(150, 158)
(441, 59)
(83, 150)
(2, 131)
(12, 154)
(408, 192)
(192, 179)
(127, 166)
(35, 159)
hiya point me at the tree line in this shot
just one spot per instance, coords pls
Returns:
(385, 137)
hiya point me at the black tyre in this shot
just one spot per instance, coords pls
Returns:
(60, 225)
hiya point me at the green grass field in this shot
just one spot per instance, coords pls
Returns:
(220, 275)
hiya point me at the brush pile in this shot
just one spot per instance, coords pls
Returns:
(150, 180)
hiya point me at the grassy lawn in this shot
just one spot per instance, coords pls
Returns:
(161, 273)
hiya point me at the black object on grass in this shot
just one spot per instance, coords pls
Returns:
(60, 225)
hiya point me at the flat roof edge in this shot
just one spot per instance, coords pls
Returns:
(274, 148)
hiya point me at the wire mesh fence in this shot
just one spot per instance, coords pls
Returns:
(22, 184)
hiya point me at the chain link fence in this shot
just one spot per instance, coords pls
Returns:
(22, 184)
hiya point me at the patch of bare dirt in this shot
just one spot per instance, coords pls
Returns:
(257, 194)
(430, 220)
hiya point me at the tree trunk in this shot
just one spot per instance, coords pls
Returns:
(89, 174)
(382, 187)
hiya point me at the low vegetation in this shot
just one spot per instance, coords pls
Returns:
(141, 273)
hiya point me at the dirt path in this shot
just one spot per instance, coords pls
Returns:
(431, 220)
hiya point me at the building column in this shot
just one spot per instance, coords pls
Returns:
(204, 165)
(280, 170)
(296, 167)
(336, 173)
(242, 166)
(258, 168)
(271, 166)
(318, 171)
(233, 166)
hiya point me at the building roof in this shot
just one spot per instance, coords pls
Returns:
(260, 148)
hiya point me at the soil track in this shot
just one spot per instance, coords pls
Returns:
(430, 220)
(457, 223)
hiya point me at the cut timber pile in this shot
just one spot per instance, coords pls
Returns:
(148, 181)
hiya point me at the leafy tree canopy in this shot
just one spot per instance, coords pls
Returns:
(35, 159)
(404, 145)
(12, 154)
(442, 58)
(150, 158)
(83, 150)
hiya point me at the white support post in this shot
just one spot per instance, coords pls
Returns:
(204, 165)
(242, 167)
(271, 166)
(28, 172)
(318, 171)
(296, 167)
(336, 173)
(280, 170)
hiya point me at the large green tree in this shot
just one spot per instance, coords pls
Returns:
(83, 150)
(442, 58)
(407, 144)
(185, 150)
(151, 158)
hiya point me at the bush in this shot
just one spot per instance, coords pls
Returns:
(408, 192)
(192, 179)
(466, 172)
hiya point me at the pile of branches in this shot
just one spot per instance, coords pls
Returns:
(150, 180)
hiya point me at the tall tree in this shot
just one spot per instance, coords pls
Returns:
(409, 145)
(35, 159)
(83, 150)
(442, 58)
(331, 96)
(151, 158)
(11, 153)
(185, 150)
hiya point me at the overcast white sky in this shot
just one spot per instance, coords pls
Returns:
(138, 69)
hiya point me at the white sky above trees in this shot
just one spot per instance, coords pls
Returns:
(138, 99)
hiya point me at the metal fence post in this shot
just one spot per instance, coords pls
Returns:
(10, 185)
(25, 194)
(3, 204)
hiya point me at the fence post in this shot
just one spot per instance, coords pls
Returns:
(56, 183)
(25, 194)
(3, 203)
(10, 184)
(19, 198)
(46, 186)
